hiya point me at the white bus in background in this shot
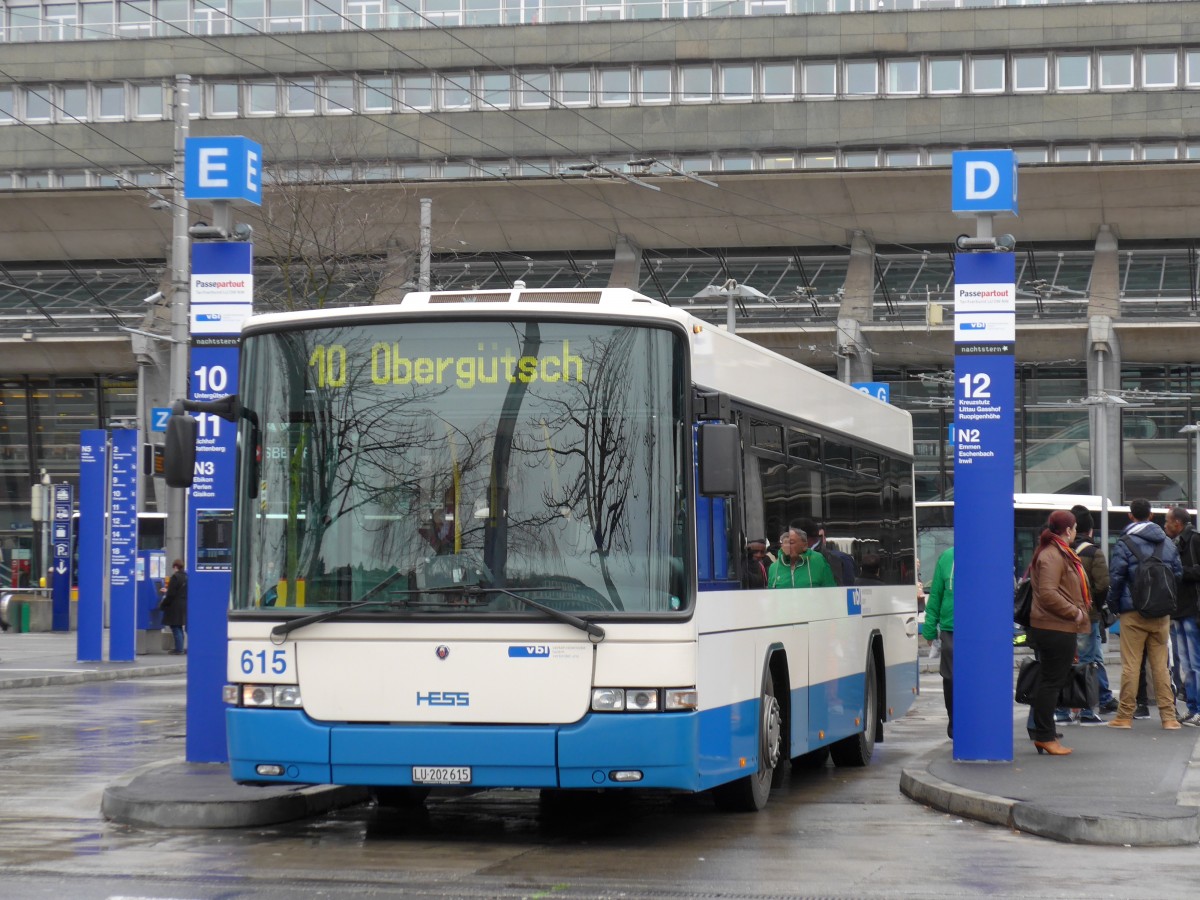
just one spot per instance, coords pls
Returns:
(496, 539)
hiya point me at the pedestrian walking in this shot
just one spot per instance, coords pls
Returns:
(939, 625)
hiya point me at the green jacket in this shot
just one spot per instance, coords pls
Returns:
(811, 570)
(939, 606)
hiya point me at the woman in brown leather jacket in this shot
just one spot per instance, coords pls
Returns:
(1060, 612)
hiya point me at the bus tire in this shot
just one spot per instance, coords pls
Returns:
(750, 793)
(856, 750)
(397, 797)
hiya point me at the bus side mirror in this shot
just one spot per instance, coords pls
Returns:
(179, 450)
(719, 458)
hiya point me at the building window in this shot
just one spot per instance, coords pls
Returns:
(987, 75)
(696, 84)
(575, 87)
(945, 76)
(656, 85)
(1159, 70)
(1073, 72)
(535, 90)
(1073, 154)
(148, 102)
(616, 87)
(941, 157)
(1032, 155)
(496, 90)
(60, 22)
(37, 103)
(737, 82)
(417, 93)
(1029, 73)
(247, 16)
(820, 79)
(211, 17)
(456, 90)
(822, 160)
(377, 93)
(260, 98)
(862, 78)
(223, 99)
(96, 20)
(286, 16)
(110, 101)
(338, 96)
(776, 161)
(860, 159)
(1193, 68)
(72, 103)
(1116, 71)
(1160, 151)
(778, 81)
(133, 19)
(1116, 153)
(301, 94)
(903, 158)
(172, 18)
(903, 76)
(7, 113)
(737, 163)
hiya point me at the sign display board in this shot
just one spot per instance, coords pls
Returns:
(122, 542)
(216, 327)
(222, 168)
(880, 390)
(63, 501)
(983, 181)
(984, 400)
(93, 493)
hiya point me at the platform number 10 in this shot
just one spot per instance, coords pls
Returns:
(977, 386)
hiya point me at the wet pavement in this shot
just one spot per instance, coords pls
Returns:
(1132, 788)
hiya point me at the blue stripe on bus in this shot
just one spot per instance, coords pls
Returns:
(681, 751)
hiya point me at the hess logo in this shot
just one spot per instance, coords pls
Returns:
(444, 698)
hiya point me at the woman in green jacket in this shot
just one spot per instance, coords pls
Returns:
(939, 617)
(797, 566)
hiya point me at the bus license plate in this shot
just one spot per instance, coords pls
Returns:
(441, 774)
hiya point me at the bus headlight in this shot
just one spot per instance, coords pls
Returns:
(644, 699)
(285, 696)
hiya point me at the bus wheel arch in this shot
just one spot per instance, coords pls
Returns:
(750, 792)
(857, 749)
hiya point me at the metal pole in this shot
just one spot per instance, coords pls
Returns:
(730, 317)
(1196, 483)
(1102, 452)
(176, 529)
(426, 242)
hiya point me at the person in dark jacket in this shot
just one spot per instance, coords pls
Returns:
(757, 563)
(1090, 648)
(174, 605)
(840, 564)
(1140, 635)
(1185, 630)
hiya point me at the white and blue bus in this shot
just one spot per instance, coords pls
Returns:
(497, 539)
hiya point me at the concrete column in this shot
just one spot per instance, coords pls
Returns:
(1104, 298)
(858, 298)
(853, 352)
(1104, 375)
(627, 264)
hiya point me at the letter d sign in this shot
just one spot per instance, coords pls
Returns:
(983, 181)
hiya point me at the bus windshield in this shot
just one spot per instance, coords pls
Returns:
(425, 462)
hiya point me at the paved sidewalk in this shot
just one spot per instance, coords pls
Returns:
(1135, 788)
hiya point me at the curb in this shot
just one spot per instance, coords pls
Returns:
(178, 794)
(1090, 822)
(91, 675)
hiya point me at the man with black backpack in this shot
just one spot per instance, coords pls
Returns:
(1144, 575)
(1185, 629)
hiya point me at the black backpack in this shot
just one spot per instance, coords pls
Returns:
(1153, 587)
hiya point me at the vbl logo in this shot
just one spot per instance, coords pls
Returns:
(444, 698)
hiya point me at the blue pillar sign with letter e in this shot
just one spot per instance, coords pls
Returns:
(221, 300)
(122, 541)
(93, 481)
(222, 168)
(984, 340)
(60, 567)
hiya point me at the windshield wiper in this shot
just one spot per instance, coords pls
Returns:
(593, 630)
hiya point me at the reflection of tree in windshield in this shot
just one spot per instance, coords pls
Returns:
(520, 476)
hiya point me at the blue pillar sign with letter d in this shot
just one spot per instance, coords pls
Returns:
(983, 440)
(93, 479)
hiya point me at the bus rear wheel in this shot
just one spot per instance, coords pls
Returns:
(856, 750)
(749, 794)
